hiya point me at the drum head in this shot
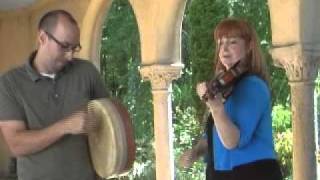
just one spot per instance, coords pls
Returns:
(112, 145)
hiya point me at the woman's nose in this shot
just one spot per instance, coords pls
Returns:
(224, 46)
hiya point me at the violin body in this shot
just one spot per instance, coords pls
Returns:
(224, 82)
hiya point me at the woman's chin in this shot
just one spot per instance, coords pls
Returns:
(227, 66)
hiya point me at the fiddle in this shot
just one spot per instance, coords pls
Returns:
(224, 81)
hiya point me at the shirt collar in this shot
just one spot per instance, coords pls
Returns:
(34, 75)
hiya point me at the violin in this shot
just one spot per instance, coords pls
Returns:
(224, 81)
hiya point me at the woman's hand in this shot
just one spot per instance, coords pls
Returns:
(189, 156)
(187, 159)
(201, 89)
(215, 104)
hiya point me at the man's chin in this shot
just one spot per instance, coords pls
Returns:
(59, 67)
(55, 70)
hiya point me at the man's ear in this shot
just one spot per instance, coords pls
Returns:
(42, 37)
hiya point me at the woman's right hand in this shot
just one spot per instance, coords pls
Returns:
(201, 89)
(190, 156)
(187, 158)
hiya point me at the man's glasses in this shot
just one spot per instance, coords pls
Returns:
(66, 47)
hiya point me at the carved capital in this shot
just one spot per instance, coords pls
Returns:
(161, 76)
(301, 63)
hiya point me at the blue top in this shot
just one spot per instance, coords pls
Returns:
(250, 109)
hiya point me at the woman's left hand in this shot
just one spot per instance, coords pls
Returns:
(215, 104)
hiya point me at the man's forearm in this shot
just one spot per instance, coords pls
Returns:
(24, 142)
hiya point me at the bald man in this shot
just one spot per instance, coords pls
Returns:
(41, 105)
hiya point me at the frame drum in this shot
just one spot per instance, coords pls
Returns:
(112, 145)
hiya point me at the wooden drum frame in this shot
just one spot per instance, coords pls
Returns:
(112, 145)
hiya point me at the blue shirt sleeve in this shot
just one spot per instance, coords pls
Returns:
(250, 100)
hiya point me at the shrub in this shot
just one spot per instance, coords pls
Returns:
(283, 138)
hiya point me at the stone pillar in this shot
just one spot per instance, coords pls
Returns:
(161, 77)
(301, 66)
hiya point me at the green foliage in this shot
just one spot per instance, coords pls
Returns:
(279, 87)
(282, 127)
(317, 87)
(283, 147)
(281, 116)
(186, 131)
(200, 18)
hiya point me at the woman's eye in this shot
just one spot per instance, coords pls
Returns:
(233, 42)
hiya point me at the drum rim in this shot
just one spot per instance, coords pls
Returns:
(126, 146)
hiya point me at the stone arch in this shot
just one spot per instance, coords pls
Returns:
(91, 29)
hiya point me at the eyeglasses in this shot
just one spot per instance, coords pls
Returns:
(66, 47)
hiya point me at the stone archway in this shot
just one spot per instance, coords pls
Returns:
(91, 29)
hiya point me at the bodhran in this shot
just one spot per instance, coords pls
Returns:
(112, 145)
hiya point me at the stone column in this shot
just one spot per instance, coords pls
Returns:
(301, 66)
(161, 77)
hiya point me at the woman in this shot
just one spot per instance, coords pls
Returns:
(241, 140)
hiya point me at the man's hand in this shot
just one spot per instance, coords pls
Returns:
(80, 122)
(23, 141)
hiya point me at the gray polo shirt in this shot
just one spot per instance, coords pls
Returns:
(41, 101)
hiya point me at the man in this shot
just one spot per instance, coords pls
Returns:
(42, 114)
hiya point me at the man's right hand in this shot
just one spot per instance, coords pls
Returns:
(80, 122)
(23, 141)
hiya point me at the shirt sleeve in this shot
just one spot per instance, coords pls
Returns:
(97, 86)
(10, 109)
(251, 102)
